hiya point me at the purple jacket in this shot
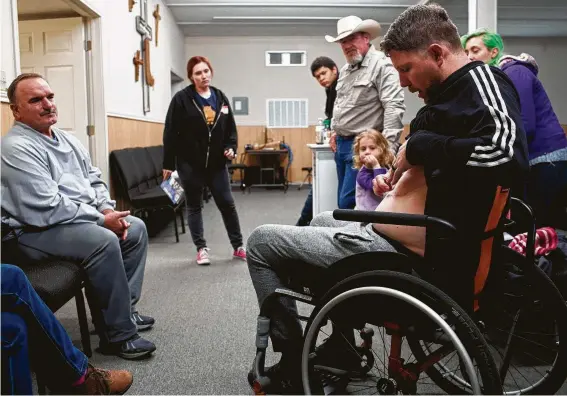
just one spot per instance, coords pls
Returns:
(365, 197)
(543, 130)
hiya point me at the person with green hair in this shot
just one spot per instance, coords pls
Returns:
(546, 190)
(483, 45)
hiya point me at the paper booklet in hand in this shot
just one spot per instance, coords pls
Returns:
(173, 188)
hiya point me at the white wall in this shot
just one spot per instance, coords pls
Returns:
(240, 70)
(7, 54)
(239, 65)
(123, 95)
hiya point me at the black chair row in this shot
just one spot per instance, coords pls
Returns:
(137, 175)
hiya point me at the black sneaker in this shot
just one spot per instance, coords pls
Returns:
(134, 348)
(142, 322)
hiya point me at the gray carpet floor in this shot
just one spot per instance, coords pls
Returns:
(205, 316)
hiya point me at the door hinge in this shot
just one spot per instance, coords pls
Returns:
(90, 130)
(88, 45)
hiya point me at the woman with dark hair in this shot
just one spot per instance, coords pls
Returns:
(198, 140)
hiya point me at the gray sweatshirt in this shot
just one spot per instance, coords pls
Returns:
(49, 181)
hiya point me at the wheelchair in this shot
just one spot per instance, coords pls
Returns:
(430, 343)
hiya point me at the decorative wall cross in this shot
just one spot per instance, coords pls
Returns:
(137, 60)
(157, 17)
(145, 31)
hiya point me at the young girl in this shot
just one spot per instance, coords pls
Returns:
(372, 156)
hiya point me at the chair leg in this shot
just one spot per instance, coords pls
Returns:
(175, 226)
(41, 389)
(304, 180)
(83, 323)
(182, 220)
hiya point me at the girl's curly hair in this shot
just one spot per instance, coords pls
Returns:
(385, 158)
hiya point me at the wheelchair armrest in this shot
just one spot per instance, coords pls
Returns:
(416, 220)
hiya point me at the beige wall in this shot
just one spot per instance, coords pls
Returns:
(7, 118)
(127, 132)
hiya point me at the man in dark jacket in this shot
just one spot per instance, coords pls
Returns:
(469, 139)
(326, 73)
(466, 150)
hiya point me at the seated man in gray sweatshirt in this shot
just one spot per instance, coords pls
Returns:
(56, 205)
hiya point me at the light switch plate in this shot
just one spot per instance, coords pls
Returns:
(240, 105)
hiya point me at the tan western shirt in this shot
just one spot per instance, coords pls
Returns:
(369, 95)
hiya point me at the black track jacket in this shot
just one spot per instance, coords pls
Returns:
(470, 140)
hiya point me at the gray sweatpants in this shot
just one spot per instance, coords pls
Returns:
(115, 268)
(274, 251)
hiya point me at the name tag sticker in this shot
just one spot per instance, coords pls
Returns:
(224, 110)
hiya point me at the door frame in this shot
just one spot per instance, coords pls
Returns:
(96, 106)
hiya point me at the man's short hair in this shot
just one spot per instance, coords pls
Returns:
(320, 62)
(17, 80)
(418, 27)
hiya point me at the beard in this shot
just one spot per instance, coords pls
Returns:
(354, 59)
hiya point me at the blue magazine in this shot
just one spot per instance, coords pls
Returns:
(173, 189)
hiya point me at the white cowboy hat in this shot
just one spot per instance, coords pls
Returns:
(352, 24)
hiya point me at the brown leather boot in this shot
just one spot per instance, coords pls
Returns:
(106, 382)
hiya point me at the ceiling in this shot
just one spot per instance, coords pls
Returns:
(318, 17)
(516, 18)
(277, 17)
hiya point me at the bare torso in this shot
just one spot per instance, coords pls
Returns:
(408, 196)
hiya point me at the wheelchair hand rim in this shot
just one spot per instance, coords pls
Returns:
(460, 348)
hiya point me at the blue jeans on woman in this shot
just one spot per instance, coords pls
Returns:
(33, 337)
(346, 174)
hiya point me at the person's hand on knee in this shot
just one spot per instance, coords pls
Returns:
(115, 222)
(126, 225)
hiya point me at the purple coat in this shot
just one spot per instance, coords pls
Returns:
(543, 130)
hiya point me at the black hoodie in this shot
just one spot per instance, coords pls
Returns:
(187, 136)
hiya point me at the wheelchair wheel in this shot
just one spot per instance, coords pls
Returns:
(387, 318)
(525, 325)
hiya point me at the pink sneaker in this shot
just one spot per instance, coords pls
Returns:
(240, 254)
(203, 256)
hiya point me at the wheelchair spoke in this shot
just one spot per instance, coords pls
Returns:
(525, 339)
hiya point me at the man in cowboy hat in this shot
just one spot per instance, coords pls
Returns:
(369, 96)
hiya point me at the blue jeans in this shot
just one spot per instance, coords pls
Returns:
(32, 336)
(307, 211)
(346, 174)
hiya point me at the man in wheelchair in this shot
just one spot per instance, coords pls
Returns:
(465, 151)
